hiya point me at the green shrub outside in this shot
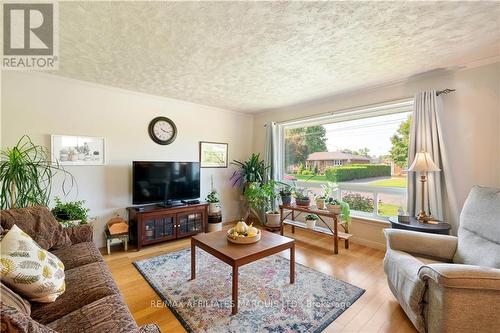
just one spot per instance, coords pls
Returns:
(359, 202)
(357, 171)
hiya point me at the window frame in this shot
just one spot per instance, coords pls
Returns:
(369, 111)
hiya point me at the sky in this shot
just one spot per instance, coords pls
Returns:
(374, 133)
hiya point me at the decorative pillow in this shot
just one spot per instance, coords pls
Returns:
(13, 300)
(39, 223)
(30, 270)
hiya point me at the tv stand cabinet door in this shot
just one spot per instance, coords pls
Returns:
(157, 228)
(190, 223)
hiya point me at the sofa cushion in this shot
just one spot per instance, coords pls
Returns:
(39, 223)
(108, 314)
(479, 231)
(14, 300)
(12, 320)
(84, 285)
(78, 255)
(30, 270)
(80, 234)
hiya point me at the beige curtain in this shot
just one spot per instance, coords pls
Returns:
(425, 135)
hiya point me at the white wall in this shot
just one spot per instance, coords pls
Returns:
(41, 104)
(471, 125)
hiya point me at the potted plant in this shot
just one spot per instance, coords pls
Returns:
(333, 205)
(311, 220)
(302, 197)
(213, 199)
(320, 201)
(270, 194)
(286, 195)
(339, 207)
(262, 198)
(26, 173)
(251, 171)
(70, 213)
(328, 190)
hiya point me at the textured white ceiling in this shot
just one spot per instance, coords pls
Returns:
(252, 56)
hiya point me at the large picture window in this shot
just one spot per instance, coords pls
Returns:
(364, 151)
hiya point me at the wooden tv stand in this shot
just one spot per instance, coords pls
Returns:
(154, 224)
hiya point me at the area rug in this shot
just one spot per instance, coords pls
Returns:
(267, 301)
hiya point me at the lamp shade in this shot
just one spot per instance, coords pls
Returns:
(423, 163)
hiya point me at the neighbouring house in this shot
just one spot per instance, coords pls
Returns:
(396, 170)
(326, 159)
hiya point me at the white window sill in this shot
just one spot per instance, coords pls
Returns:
(371, 219)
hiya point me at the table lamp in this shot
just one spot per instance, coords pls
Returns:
(423, 163)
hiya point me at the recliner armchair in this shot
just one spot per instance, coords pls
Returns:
(447, 283)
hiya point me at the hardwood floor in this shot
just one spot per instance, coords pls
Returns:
(376, 311)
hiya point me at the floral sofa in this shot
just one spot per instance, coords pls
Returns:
(91, 302)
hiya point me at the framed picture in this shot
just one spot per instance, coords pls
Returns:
(78, 150)
(213, 155)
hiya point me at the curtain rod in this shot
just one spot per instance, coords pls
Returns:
(446, 91)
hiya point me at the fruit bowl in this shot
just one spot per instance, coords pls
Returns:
(242, 238)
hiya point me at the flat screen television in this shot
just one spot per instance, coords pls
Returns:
(164, 182)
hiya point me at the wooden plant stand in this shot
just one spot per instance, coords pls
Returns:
(294, 211)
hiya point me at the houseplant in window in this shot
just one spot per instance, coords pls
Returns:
(286, 194)
(339, 207)
(71, 213)
(311, 220)
(328, 190)
(333, 206)
(26, 174)
(302, 197)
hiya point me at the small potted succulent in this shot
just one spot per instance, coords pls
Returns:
(311, 220)
(72, 213)
(286, 195)
(333, 206)
(320, 201)
(302, 197)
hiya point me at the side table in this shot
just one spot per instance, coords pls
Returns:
(414, 225)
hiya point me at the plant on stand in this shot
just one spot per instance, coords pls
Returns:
(311, 220)
(328, 190)
(26, 174)
(339, 207)
(286, 192)
(213, 199)
(302, 197)
(70, 214)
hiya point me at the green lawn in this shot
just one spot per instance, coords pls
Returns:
(316, 178)
(393, 182)
(387, 209)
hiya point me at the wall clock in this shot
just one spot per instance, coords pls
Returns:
(162, 130)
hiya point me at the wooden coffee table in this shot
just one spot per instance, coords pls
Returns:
(237, 255)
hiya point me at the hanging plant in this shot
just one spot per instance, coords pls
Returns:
(26, 174)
